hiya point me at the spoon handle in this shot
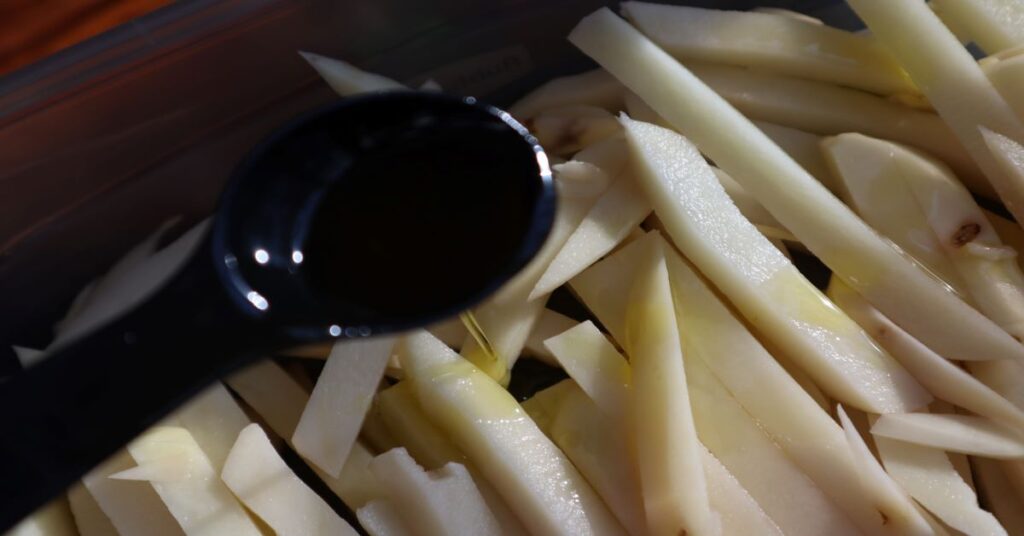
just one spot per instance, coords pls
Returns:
(69, 412)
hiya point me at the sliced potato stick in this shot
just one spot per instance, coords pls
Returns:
(617, 212)
(956, 433)
(594, 88)
(824, 109)
(772, 42)
(667, 452)
(568, 129)
(998, 495)
(382, 518)
(133, 507)
(598, 368)
(842, 241)
(994, 25)
(428, 445)
(597, 446)
(804, 148)
(489, 426)
(53, 519)
(732, 435)
(930, 478)
(953, 82)
(943, 378)
(872, 175)
(332, 418)
(345, 79)
(549, 324)
(260, 479)
(214, 420)
(89, 517)
(442, 501)
(1006, 75)
(188, 484)
(897, 509)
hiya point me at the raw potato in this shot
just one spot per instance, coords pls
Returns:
(89, 518)
(260, 479)
(771, 42)
(346, 79)
(829, 229)
(279, 400)
(507, 318)
(381, 518)
(428, 445)
(825, 109)
(981, 265)
(956, 433)
(214, 420)
(594, 88)
(443, 501)
(596, 445)
(597, 367)
(804, 148)
(188, 484)
(895, 506)
(53, 519)
(489, 426)
(617, 212)
(871, 174)
(953, 82)
(999, 494)
(941, 377)
(549, 324)
(568, 129)
(929, 477)
(785, 493)
(334, 414)
(134, 507)
(761, 282)
(667, 452)
(1007, 75)
(995, 25)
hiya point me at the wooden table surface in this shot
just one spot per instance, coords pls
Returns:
(33, 29)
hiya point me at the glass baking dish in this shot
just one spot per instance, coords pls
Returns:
(102, 142)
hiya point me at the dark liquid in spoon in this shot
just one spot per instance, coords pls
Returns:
(427, 215)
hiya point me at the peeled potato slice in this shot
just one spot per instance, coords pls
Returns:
(585, 353)
(547, 493)
(53, 519)
(667, 452)
(995, 25)
(895, 507)
(89, 517)
(943, 378)
(334, 414)
(930, 478)
(956, 433)
(442, 501)
(771, 42)
(260, 479)
(188, 484)
(594, 88)
(134, 508)
(345, 79)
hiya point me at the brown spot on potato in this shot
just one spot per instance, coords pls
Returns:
(885, 518)
(966, 233)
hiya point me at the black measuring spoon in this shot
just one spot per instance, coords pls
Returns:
(376, 214)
